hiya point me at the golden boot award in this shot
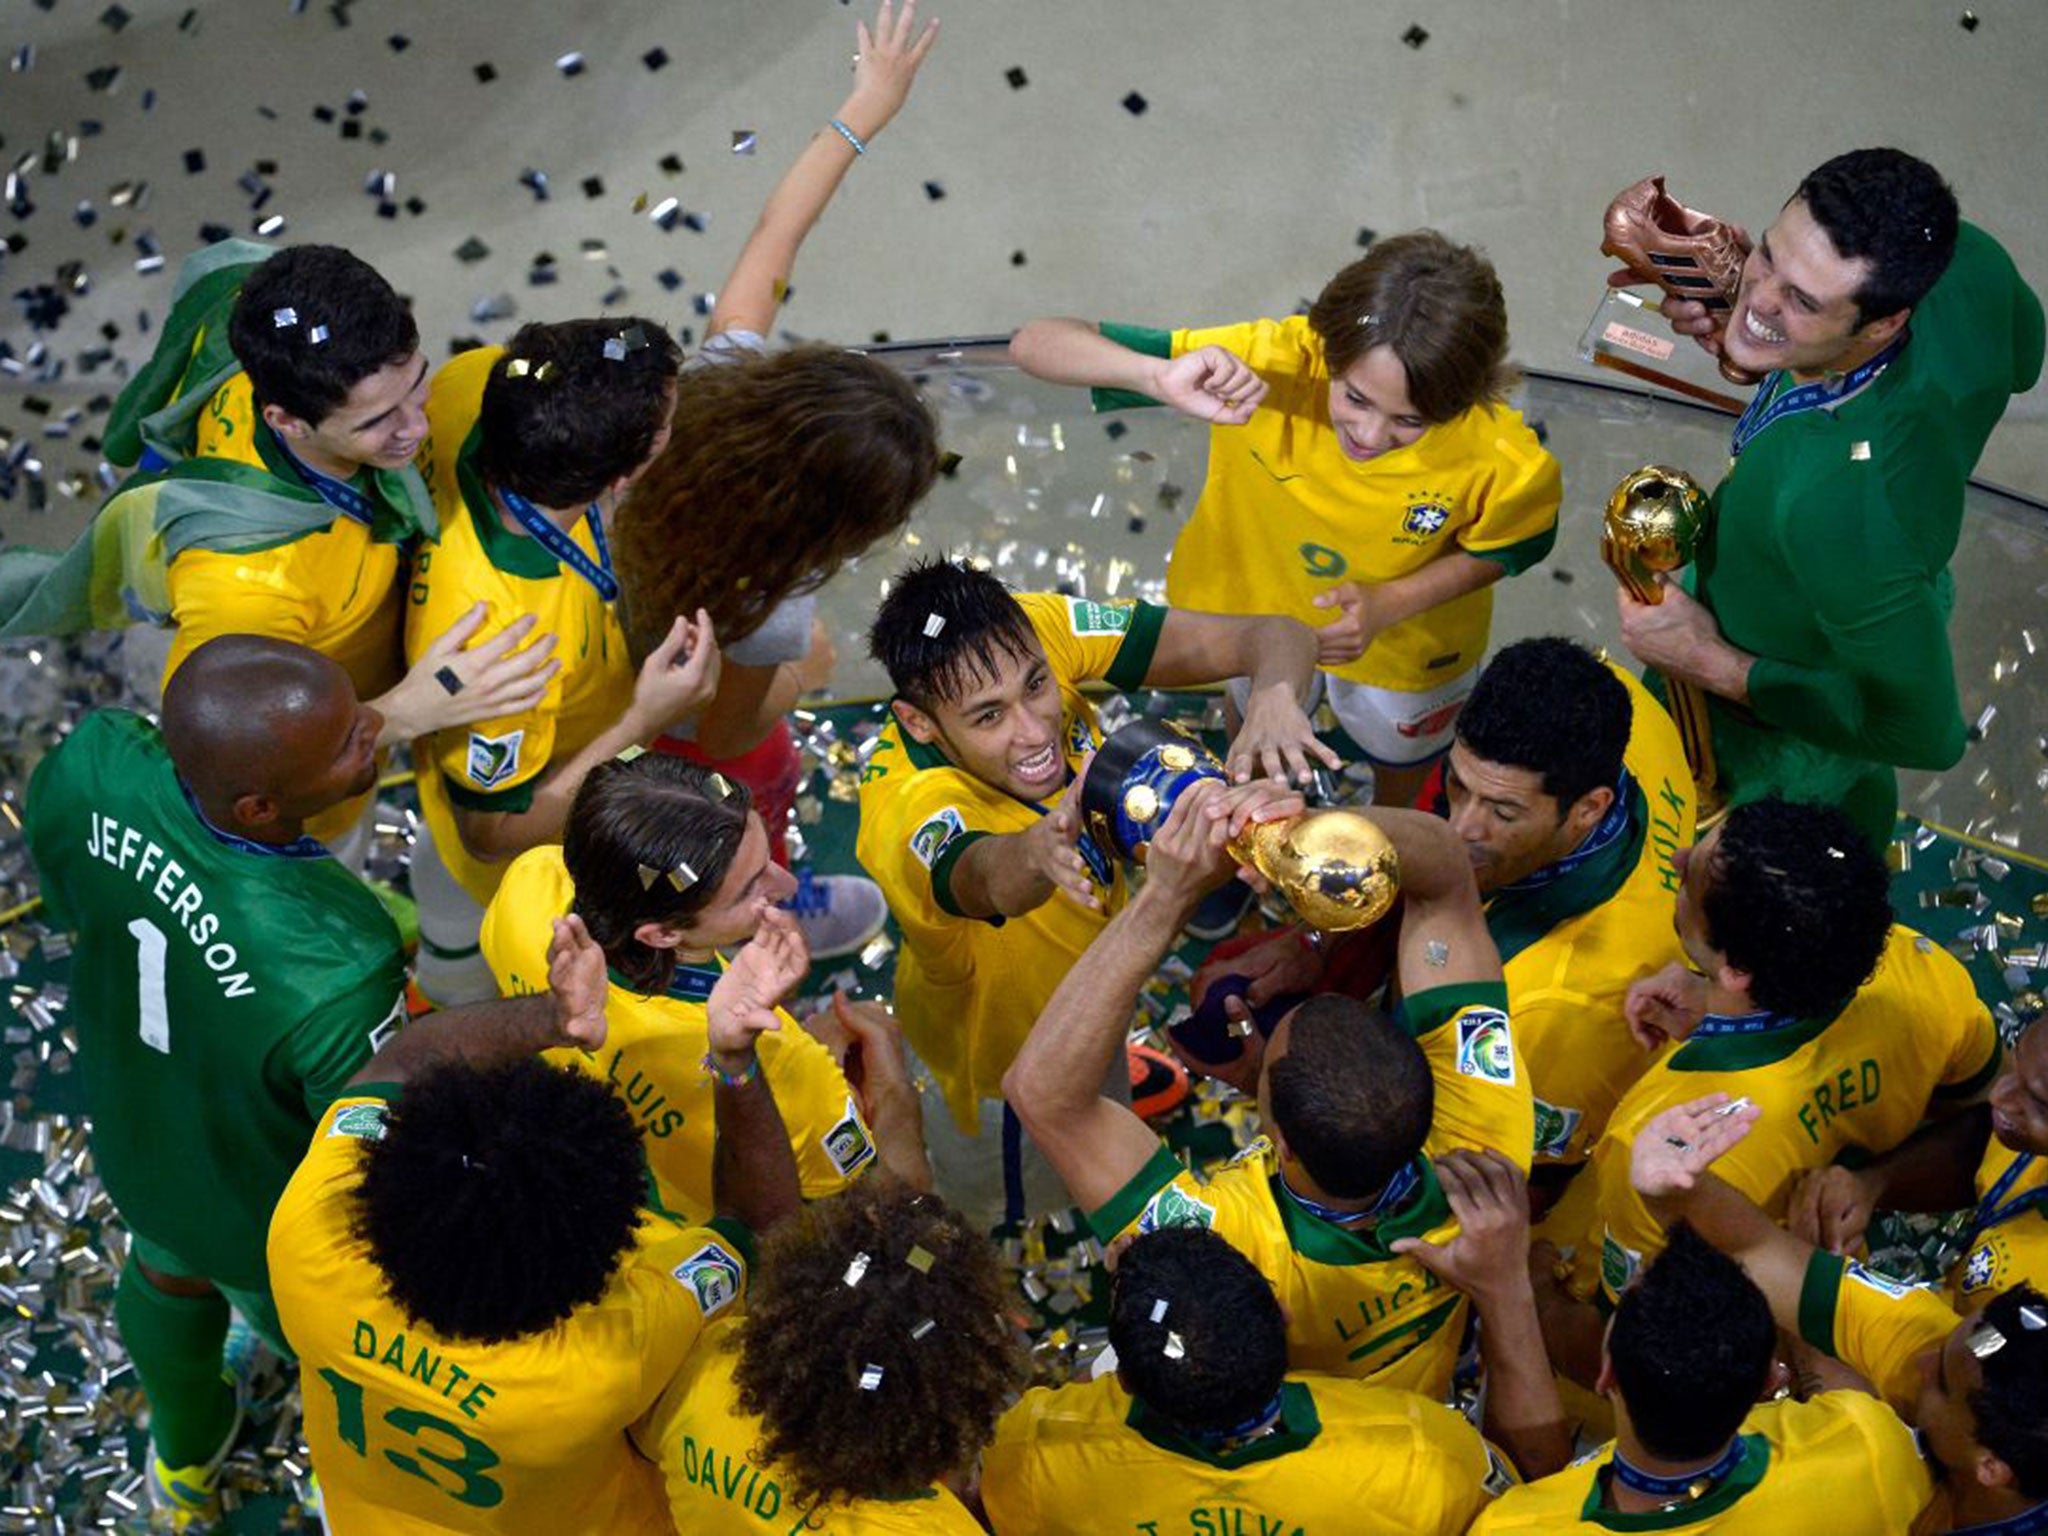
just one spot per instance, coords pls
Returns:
(1655, 521)
(1335, 868)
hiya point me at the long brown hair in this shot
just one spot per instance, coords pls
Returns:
(779, 470)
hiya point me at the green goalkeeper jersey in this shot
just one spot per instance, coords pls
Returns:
(223, 991)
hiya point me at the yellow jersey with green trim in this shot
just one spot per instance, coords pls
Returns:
(2010, 1243)
(492, 765)
(706, 1446)
(1344, 1457)
(1914, 1035)
(1356, 1308)
(1572, 941)
(968, 989)
(653, 1054)
(1877, 1326)
(1842, 1463)
(336, 591)
(416, 1433)
(1285, 515)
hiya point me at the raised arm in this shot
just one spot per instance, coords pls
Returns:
(753, 1169)
(1210, 383)
(886, 62)
(1443, 940)
(1278, 656)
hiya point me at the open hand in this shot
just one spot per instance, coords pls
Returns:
(1277, 740)
(743, 1003)
(886, 60)
(578, 984)
(501, 676)
(1051, 848)
(1490, 1197)
(1676, 1147)
(678, 678)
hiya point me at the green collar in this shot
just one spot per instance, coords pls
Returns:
(513, 553)
(1749, 1471)
(922, 754)
(1517, 919)
(1326, 1243)
(1738, 1053)
(1299, 1426)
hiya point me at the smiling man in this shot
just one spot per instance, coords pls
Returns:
(964, 817)
(1891, 338)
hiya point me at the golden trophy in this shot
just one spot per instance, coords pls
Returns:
(1334, 867)
(1655, 521)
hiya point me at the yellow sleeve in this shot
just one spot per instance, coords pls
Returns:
(1974, 1061)
(1872, 1323)
(217, 593)
(1087, 641)
(913, 831)
(1629, 1233)
(1518, 501)
(1453, 1473)
(519, 923)
(1482, 1086)
(1165, 1193)
(831, 1138)
(684, 1278)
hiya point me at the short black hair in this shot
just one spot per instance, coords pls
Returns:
(306, 292)
(500, 1199)
(2011, 1408)
(573, 405)
(1551, 707)
(1691, 1347)
(1352, 1095)
(1799, 900)
(1896, 212)
(1187, 1286)
(945, 626)
(655, 812)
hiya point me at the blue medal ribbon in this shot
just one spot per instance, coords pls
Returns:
(338, 494)
(298, 848)
(1991, 1214)
(1763, 410)
(693, 983)
(1649, 1486)
(2026, 1523)
(565, 549)
(1718, 1024)
(1398, 1189)
(1216, 1439)
(1612, 828)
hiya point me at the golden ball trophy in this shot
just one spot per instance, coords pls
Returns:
(1655, 522)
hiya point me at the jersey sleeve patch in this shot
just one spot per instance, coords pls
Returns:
(363, 1121)
(711, 1275)
(492, 760)
(1500, 1476)
(848, 1143)
(1618, 1264)
(1883, 1284)
(1556, 1125)
(1086, 617)
(934, 833)
(1175, 1206)
(1486, 1050)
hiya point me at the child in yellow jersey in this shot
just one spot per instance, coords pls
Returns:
(661, 944)
(1203, 1429)
(529, 448)
(867, 1372)
(1976, 1388)
(1363, 475)
(964, 820)
(460, 1375)
(1325, 1206)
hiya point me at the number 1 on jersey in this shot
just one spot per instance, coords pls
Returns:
(152, 1012)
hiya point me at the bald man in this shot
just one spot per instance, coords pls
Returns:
(228, 980)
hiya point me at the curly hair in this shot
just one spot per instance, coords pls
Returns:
(2011, 1407)
(1550, 706)
(1437, 304)
(1352, 1095)
(1189, 1283)
(1892, 210)
(500, 1199)
(1797, 898)
(583, 409)
(362, 325)
(780, 469)
(657, 812)
(933, 1327)
(981, 625)
(1691, 1348)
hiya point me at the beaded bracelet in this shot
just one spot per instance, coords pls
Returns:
(859, 145)
(733, 1079)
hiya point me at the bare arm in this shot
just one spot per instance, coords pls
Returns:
(1278, 656)
(888, 59)
(1210, 383)
(1443, 940)
(1010, 873)
(753, 1169)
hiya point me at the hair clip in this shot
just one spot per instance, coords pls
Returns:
(857, 1267)
(527, 368)
(934, 623)
(632, 339)
(920, 1259)
(284, 317)
(682, 877)
(870, 1377)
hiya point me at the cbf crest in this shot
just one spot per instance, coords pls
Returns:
(1427, 515)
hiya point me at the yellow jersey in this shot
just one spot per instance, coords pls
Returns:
(968, 989)
(1356, 1308)
(1914, 1034)
(654, 1049)
(2010, 1243)
(1284, 515)
(1877, 1326)
(1344, 1457)
(1842, 1463)
(336, 591)
(706, 1444)
(493, 764)
(414, 1433)
(1573, 936)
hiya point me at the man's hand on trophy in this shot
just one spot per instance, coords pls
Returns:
(1190, 855)
(1211, 384)
(1277, 739)
(1049, 849)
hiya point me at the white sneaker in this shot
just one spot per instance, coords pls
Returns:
(838, 913)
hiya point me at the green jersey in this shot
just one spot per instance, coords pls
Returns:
(223, 991)
(1828, 558)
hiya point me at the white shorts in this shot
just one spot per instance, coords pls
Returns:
(1392, 728)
